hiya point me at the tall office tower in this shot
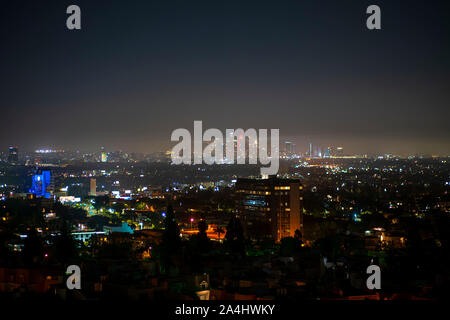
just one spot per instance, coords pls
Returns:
(332, 151)
(289, 148)
(270, 208)
(327, 153)
(237, 142)
(339, 151)
(310, 150)
(103, 155)
(13, 156)
(319, 152)
(93, 187)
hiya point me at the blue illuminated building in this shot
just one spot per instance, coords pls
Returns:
(41, 184)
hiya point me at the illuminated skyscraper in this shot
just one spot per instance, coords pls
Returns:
(13, 156)
(42, 184)
(270, 207)
(289, 148)
(93, 187)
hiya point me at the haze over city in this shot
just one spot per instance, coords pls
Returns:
(135, 72)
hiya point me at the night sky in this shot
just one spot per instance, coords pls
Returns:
(140, 69)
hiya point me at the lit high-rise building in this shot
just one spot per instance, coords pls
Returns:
(289, 148)
(93, 187)
(42, 185)
(270, 207)
(13, 156)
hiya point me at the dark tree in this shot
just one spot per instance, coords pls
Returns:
(33, 250)
(234, 238)
(202, 227)
(219, 230)
(64, 247)
(291, 245)
(170, 246)
(171, 236)
(100, 202)
(204, 244)
(119, 207)
(298, 236)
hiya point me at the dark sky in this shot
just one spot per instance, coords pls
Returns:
(139, 69)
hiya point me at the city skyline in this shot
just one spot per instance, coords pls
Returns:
(320, 151)
(302, 150)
